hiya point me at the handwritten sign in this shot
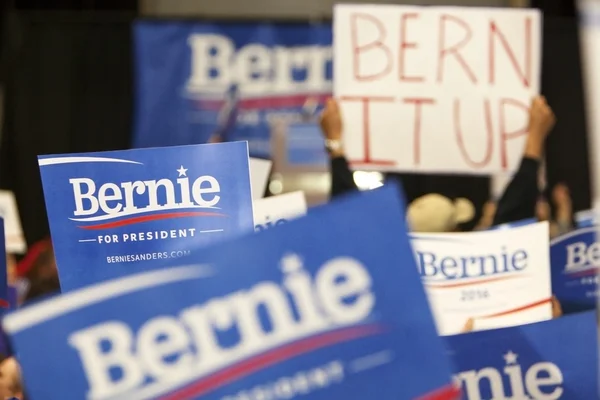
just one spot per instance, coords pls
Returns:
(15, 240)
(307, 309)
(554, 359)
(274, 211)
(434, 89)
(121, 212)
(259, 176)
(575, 258)
(496, 278)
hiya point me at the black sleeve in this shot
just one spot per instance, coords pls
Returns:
(520, 196)
(342, 180)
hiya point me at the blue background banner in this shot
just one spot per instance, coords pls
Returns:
(122, 212)
(555, 359)
(239, 80)
(575, 258)
(273, 312)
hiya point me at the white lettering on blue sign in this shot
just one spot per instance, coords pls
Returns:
(431, 266)
(300, 384)
(541, 381)
(269, 224)
(581, 256)
(255, 68)
(116, 200)
(162, 348)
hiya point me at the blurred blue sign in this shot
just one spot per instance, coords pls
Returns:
(310, 308)
(237, 80)
(554, 359)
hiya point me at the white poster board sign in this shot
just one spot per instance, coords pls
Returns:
(589, 11)
(259, 176)
(497, 278)
(273, 211)
(435, 89)
(15, 240)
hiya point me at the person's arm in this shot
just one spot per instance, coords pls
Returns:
(520, 196)
(564, 208)
(342, 180)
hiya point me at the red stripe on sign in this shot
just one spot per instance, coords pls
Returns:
(516, 310)
(449, 392)
(247, 367)
(153, 217)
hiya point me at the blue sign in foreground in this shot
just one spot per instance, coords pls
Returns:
(309, 308)
(116, 213)
(555, 359)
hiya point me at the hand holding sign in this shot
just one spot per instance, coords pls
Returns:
(541, 122)
(541, 117)
(332, 127)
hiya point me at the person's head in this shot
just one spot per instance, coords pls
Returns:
(436, 213)
(10, 379)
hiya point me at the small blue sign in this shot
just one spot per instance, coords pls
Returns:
(575, 258)
(310, 308)
(121, 212)
(554, 359)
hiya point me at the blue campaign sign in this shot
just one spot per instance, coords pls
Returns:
(122, 212)
(238, 80)
(556, 359)
(575, 258)
(310, 308)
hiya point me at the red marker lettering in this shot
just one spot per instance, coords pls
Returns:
(505, 136)
(377, 44)
(460, 140)
(418, 102)
(404, 45)
(366, 101)
(454, 49)
(523, 74)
